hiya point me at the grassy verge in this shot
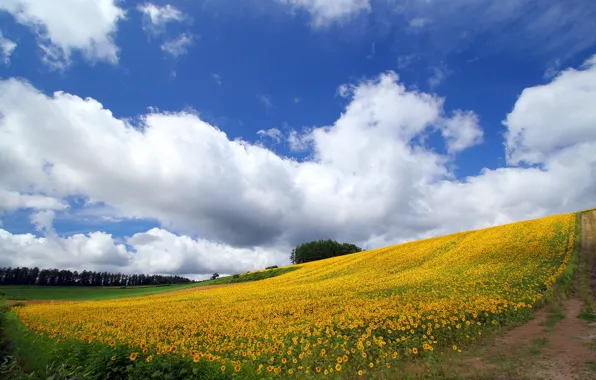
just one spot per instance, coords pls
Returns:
(248, 277)
(585, 293)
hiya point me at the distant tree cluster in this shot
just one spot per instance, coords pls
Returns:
(36, 276)
(321, 249)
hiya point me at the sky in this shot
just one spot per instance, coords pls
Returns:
(192, 137)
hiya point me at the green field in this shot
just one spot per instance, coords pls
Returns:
(80, 293)
(95, 293)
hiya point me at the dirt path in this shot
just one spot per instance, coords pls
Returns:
(555, 345)
(565, 345)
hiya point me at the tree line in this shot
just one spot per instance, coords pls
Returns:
(57, 277)
(321, 249)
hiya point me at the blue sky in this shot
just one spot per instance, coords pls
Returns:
(263, 71)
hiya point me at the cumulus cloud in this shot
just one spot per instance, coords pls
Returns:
(325, 12)
(178, 46)
(43, 220)
(96, 250)
(153, 251)
(155, 17)
(6, 48)
(367, 180)
(67, 26)
(552, 117)
(462, 131)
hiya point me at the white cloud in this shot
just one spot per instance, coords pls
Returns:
(6, 48)
(12, 200)
(461, 131)
(367, 180)
(43, 220)
(96, 250)
(440, 73)
(272, 133)
(153, 251)
(70, 25)
(299, 142)
(178, 46)
(343, 90)
(155, 17)
(325, 12)
(552, 117)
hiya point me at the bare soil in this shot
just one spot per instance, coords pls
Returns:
(555, 345)
(569, 347)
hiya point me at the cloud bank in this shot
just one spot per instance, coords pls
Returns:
(369, 180)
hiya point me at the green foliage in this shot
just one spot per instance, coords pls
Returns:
(321, 249)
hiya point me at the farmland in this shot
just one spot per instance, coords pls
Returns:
(33, 292)
(348, 316)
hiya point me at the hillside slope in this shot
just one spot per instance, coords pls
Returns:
(351, 313)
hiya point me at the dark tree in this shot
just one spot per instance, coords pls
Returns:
(321, 249)
(215, 276)
(63, 277)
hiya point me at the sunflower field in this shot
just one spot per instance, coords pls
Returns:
(351, 315)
